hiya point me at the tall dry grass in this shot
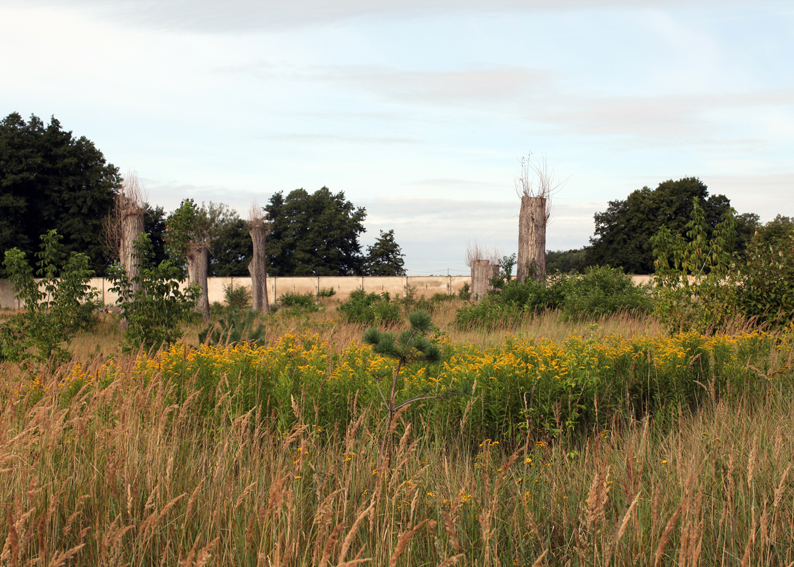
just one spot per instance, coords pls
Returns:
(120, 476)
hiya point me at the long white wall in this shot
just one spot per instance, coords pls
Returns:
(276, 287)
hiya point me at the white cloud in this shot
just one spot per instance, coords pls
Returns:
(223, 16)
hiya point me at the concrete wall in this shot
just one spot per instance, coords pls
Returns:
(423, 286)
(276, 287)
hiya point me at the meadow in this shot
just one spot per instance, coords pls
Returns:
(548, 442)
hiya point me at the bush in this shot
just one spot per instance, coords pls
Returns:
(237, 298)
(55, 307)
(156, 309)
(370, 308)
(326, 292)
(297, 303)
(601, 291)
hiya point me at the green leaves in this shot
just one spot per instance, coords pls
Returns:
(55, 308)
(314, 234)
(695, 280)
(155, 307)
(50, 179)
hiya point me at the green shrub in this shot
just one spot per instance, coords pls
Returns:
(237, 298)
(370, 308)
(599, 291)
(55, 307)
(155, 308)
(296, 303)
(602, 290)
(326, 292)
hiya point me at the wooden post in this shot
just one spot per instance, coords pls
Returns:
(197, 266)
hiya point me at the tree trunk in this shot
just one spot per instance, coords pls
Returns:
(197, 266)
(481, 273)
(131, 227)
(257, 268)
(532, 239)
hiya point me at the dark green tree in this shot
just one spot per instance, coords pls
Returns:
(154, 226)
(623, 231)
(384, 258)
(314, 234)
(775, 231)
(50, 180)
(567, 261)
(231, 248)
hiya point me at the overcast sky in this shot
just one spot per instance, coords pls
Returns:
(419, 111)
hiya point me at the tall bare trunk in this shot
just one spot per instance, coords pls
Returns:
(481, 273)
(532, 238)
(197, 266)
(257, 267)
(131, 228)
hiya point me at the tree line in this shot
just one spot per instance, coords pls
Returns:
(53, 180)
(622, 236)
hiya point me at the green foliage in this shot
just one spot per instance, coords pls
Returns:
(314, 234)
(297, 303)
(154, 225)
(370, 308)
(695, 285)
(152, 303)
(622, 232)
(384, 258)
(231, 248)
(235, 327)
(326, 292)
(775, 232)
(410, 345)
(599, 291)
(50, 180)
(55, 308)
(766, 291)
(237, 298)
(566, 262)
(464, 293)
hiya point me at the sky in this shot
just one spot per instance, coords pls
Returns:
(419, 110)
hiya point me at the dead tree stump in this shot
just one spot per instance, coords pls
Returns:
(481, 273)
(532, 238)
(257, 267)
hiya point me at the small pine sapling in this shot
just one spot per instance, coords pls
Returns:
(411, 345)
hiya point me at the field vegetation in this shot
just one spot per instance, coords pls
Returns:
(546, 441)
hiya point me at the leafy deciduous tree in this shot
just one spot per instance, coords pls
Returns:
(314, 234)
(623, 231)
(50, 180)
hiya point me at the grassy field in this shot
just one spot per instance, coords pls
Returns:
(593, 443)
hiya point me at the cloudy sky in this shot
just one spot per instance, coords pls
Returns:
(419, 110)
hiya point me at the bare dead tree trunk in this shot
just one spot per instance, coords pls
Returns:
(481, 273)
(535, 187)
(131, 228)
(197, 267)
(532, 238)
(257, 267)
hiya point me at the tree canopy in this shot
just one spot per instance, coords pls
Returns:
(384, 258)
(50, 180)
(623, 231)
(314, 234)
